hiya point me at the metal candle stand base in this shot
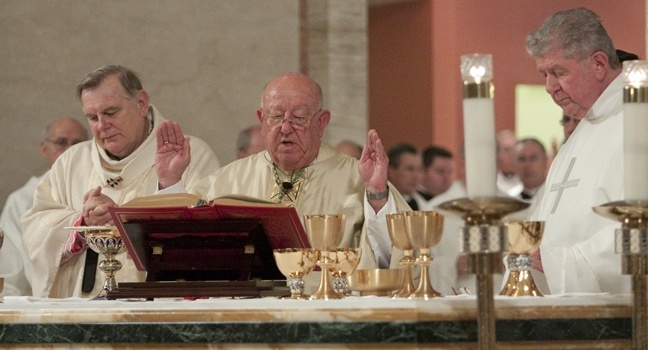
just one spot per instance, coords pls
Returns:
(631, 240)
(483, 239)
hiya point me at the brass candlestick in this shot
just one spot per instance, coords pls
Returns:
(523, 239)
(424, 229)
(325, 234)
(398, 235)
(631, 240)
(483, 239)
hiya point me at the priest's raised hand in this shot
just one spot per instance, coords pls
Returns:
(172, 156)
(373, 170)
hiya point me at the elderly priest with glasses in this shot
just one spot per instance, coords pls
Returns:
(298, 169)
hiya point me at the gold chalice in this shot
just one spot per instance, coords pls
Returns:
(105, 240)
(398, 235)
(424, 229)
(523, 239)
(346, 260)
(325, 234)
(295, 263)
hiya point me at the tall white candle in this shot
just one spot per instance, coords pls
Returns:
(635, 125)
(479, 126)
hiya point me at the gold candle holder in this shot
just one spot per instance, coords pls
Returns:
(483, 240)
(325, 234)
(631, 241)
(424, 229)
(523, 239)
(398, 235)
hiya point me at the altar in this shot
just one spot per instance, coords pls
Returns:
(573, 321)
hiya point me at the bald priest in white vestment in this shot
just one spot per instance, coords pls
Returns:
(114, 167)
(298, 169)
(576, 56)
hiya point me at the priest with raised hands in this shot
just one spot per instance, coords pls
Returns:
(116, 166)
(299, 169)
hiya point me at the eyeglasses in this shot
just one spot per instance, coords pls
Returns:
(566, 120)
(62, 144)
(297, 122)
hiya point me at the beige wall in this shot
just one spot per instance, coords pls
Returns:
(203, 62)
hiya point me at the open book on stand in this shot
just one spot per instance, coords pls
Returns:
(180, 237)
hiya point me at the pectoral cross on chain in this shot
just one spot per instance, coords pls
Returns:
(561, 186)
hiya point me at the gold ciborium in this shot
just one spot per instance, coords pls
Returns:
(398, 235)
(295, 263)
(424, 229)
(523, 239)
(325, 234)
(105, 240)
(345, 261)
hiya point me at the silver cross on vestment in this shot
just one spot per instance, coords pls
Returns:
(560, 187)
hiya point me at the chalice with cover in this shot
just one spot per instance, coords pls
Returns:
(424, 229)
(346, 260)
(523, 239)
(398, 235)
(105, 240)
(325, 234)
(295, 263)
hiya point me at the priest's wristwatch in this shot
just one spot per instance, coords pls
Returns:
(380, 195)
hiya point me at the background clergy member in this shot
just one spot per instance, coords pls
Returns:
(576, 56)
(438, 171)
(405, 172)
(60, 134)
(249, 141)
(114, 167)
(297, 168)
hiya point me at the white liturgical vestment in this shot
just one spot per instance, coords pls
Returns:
(59, 201)
(14, 262)
(578, 245)
(331, 185)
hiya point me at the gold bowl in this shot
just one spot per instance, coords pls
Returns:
(380, 282)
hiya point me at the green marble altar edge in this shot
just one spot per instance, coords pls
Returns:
(314, 332)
